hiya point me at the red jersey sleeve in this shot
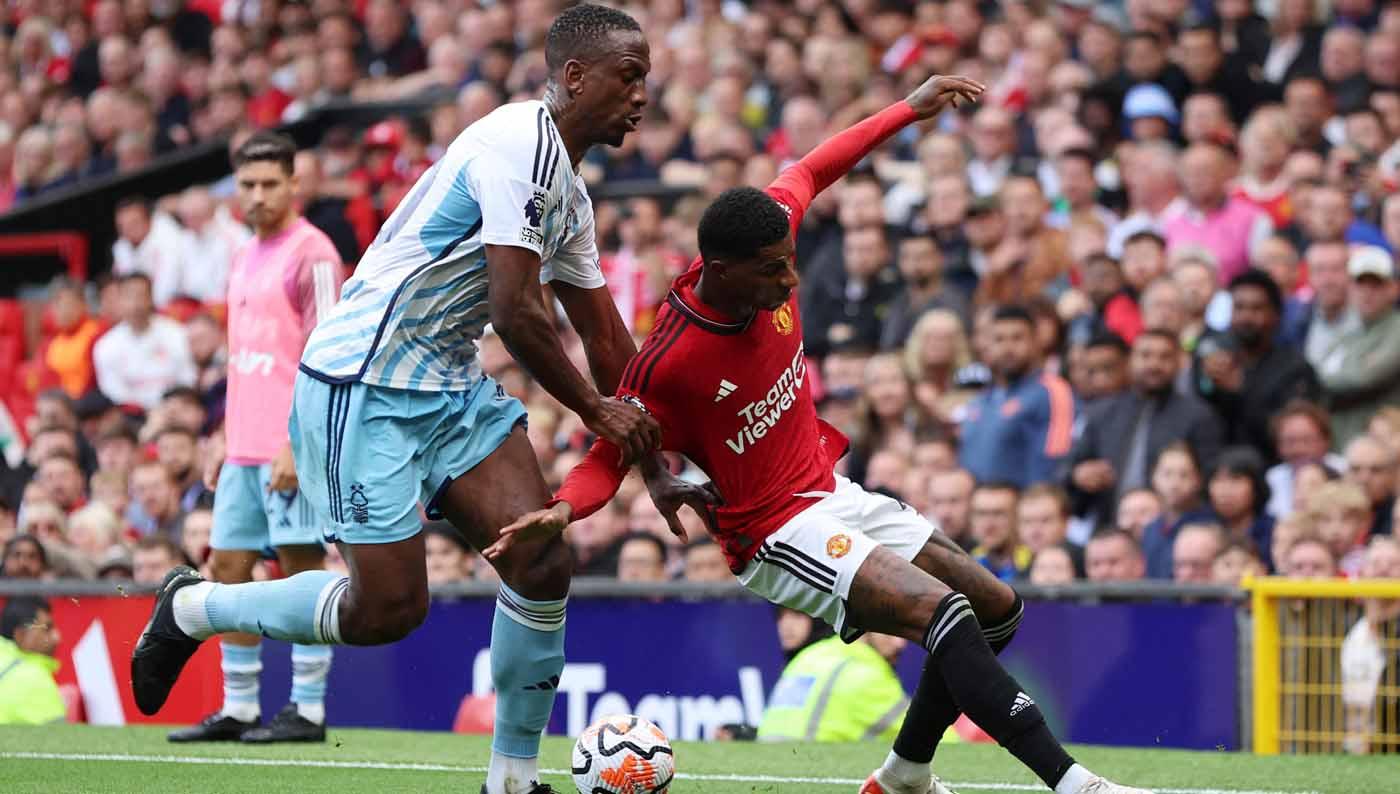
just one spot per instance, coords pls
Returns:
(834, 158)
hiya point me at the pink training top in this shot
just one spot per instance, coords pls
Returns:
(278, 289)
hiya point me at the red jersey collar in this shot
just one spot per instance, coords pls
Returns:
(684, 300)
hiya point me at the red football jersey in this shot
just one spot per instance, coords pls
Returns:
(735, 398)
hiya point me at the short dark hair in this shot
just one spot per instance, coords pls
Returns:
(1014, 313)
(1111, 533)
(1308, 410)
(740, 221)
(22, 539)
(999, 485)
(133, 201)
(1148, 235)
(185, 392)
(645, 537)
(1260, 280)
(1160, 333)
(138, 276)
(20, 611)
(178, 430)
(579, 32)
(701, 542)
(265, 146)
(1077, 153)
(1108, 339)
(164, 543)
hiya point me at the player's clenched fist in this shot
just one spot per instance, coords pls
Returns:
(940, 91)
(633, 430)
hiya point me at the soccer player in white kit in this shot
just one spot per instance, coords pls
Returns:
(391, 407)
(282, 281)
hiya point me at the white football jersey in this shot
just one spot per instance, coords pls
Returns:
(411, 315)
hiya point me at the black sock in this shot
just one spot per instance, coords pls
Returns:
(932, 710)
(983, 690)
(999, 633)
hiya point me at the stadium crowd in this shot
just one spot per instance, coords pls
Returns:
(1132, 316)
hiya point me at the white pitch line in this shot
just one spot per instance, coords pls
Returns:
(412, 767)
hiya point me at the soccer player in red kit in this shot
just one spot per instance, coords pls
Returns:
(723, 373)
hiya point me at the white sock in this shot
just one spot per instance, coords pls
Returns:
(243, 712)
(190, 614)
(1073, 780)
(906, 775)
(508, 775)
(316, 712)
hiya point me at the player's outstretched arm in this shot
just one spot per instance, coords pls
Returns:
(837, 155)
(526, 325)
(588, 487)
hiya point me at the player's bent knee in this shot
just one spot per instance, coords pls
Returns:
(385, 621)
(543, 574)
(231, 567)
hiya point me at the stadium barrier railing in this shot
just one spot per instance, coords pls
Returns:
(1326, 667)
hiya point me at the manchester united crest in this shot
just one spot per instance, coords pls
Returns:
(782, 319)
(838, 546)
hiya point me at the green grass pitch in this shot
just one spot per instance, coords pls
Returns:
(70, 758)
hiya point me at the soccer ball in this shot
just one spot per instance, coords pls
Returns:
(623, 754)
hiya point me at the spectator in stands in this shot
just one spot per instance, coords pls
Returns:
(1362, 371)
(207, 350)
(1123, 434)
(64, 482)
(144, 354)
(1265, 142)
(934, 352)
(921, 266)
(1178, 480)
(1114, 555)
(1114, 304)
(1332, 316)
(1136, 509)
(1277, 257)
(1234, 563)
(210, 241)
(1372, 464)
(150, 243)
(849, 310)
(177, 449)
(641, 558)
(1153, 186)
(1310, 558)
(1302, 435)
(195, 532)
(180, 407)
(1208, 69)
(1042, 517)
(28, 639)
(1207, 307)
(950, 504)
(1205, 118)
(993, 527)
(1194, 553)
(153, 557)
(68, 353)
(326, 213)
(155, 508)
(1228, 227)
(24, 558)
(1238, 495)
(447, 554)
(1052, 566)
(1019, 430)
(93, 530)
(1244, 375)
(1341, 515)
(704, 561)
(993, 138)
(1105, 370)
(117, 450)
(390, 48)
(1032, 260)
(1328, 217)
(1074, 169)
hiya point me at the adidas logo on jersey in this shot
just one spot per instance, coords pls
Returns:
(1021, 703)
(725, 389)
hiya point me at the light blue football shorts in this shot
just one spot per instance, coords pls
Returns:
(249, 517)
(367, 455)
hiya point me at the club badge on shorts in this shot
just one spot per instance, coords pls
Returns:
(837, 546)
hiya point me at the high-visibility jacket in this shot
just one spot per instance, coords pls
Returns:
(28, 693)
(834, 692)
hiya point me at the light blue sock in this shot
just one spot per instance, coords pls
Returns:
(242, 666)
(527, 656)
(304, 608)
(310, 666)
